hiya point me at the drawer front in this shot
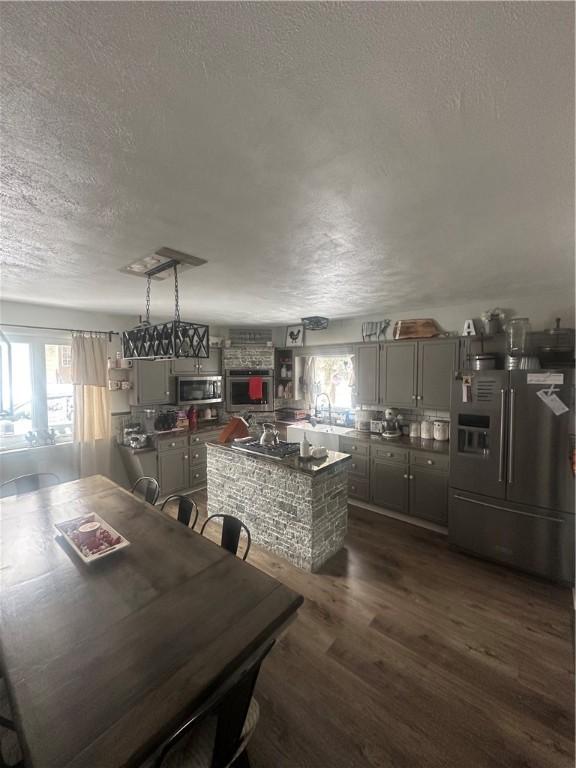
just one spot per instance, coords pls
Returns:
(359, 466)
(171, 444)
(429, 460)
(197, 476)
(354, 447)
(388, 453)
(358, 488)
(198, 454)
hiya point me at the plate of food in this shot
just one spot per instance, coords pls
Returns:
(91, 537)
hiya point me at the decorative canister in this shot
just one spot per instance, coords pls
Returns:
(441, 430)
(414, 429)
(427, 430)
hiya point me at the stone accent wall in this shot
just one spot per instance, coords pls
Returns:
(297, 516)
(248, 356)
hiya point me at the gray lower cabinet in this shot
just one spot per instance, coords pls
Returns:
(389, 485)
(398, 368)
(428, 495)
(436, 362)
(366, 362)
(151, 383)
(173, 472)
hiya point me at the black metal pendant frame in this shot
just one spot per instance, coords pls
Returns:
(166, 340)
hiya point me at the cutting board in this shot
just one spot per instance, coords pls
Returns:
(416, 329)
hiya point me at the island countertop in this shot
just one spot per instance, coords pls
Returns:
(307, 466)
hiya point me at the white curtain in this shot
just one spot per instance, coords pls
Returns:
(92, 420)
(309, 381)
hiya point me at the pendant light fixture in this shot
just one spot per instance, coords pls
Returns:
(165, 340)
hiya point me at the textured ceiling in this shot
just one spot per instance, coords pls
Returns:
(327, 159)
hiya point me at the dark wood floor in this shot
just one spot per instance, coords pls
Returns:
(406, 654)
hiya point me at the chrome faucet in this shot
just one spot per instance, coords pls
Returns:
(323, 394)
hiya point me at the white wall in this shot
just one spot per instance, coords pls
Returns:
(541, 308)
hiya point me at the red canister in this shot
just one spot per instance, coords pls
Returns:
(192, 418)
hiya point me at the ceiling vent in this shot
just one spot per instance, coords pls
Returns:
(160, 262)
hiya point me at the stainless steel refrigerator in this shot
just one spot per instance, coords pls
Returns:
(511, 477)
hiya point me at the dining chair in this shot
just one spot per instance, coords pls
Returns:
(148, 488)
(27, 483)
(231, 530)
(10, 751)
(217, 734)
(186, 507)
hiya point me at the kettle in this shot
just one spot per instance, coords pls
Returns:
(269, 436)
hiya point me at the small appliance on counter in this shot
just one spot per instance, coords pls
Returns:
(376, 426)
(363, 420)
(166, 420)
(391, 424)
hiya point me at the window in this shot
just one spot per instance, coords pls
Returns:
(334, 376)
(36, 393)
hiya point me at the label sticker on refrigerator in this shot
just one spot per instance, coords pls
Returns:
(545, 378)
(553, 402)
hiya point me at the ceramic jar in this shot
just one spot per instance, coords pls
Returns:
(441, 430)
(427, 430)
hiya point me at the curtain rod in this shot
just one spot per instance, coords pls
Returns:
(49, 328)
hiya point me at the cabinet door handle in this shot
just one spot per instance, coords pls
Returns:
(352, 487)
(429, 461)
(389, 454)
(166, 393)
(196, 455)
(406, 477)
(354, 447)
(353, 466)
(414, 397)
(185, 457)
(172, 445)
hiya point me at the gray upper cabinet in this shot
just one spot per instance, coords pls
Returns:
(151, 381)
(366, 374)
(211, 365)
(398, 367)
(436, 361)
(197, 366)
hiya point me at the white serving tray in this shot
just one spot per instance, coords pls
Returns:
(64, 527)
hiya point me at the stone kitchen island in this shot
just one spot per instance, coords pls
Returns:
(294, 508)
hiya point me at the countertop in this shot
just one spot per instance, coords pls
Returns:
(310, 467)
(167, 434)
(413, 443)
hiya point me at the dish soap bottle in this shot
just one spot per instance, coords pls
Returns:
(305, 447)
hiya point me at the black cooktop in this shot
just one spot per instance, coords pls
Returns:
(279, 451)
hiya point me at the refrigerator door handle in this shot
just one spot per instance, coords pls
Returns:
(511, 437)
(505, 509)
(502, 435)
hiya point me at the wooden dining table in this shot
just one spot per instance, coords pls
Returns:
(104, 661)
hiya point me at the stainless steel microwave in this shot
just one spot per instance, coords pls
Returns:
(198, 390)
(249, 390)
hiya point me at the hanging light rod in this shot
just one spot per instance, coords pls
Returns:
(50, 328)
